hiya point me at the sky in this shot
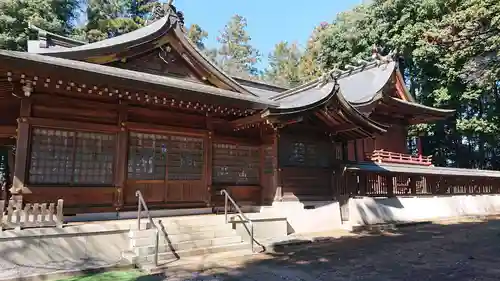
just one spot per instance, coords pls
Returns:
(269, 21)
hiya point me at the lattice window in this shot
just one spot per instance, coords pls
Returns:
(160, 157)
(235, 164)
(147, 158)
(185, 158)
(73, 158)
(94, 158)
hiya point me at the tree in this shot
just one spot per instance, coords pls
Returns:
(309, 67)
(197, 35)
(52, 15)
(284, 65)
(106, 19)
(236, 55)
(449, 58)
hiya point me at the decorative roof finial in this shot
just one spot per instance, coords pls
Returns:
(167, 9)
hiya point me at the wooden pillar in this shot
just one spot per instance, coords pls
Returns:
(345, 151)
(413, 185)
(390, 185)
(22, 151)
(121, 156)
(278, 196)
(419, 148)
(362, 183)
(208, 159)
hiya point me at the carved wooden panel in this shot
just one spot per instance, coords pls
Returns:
(304, 153)
(161, 61)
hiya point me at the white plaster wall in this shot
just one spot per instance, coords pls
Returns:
(369, 210)
(49, 250)
(325, 216)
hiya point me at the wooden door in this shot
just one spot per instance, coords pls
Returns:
(166, 169)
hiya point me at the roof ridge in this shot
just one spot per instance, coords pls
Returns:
(43, 33)
(375, 60)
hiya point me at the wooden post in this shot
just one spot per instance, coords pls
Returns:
(121, 157)
(2, 209)
(362, 184)
(278, 196)
(209, 166)
(209, 159)
(390, 185)
(59, 216)
(413, 185)
(22, 149)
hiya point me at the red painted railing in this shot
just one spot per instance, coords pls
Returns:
(382, 156)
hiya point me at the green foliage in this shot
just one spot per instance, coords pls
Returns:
(52, 15)
(236, 55)
(284, 65)
(197, 35)
(106, 19)
(449, 58)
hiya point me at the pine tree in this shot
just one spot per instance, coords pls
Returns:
(236, 55)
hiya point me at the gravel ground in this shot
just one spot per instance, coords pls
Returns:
(453, 251)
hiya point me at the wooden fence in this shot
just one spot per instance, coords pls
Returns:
(390, 185)
(14, 216)
(382, 156)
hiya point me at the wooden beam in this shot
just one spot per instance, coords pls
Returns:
(334, 126)
(255, 118)
(8, 131)
(71, 125)
(160, 129)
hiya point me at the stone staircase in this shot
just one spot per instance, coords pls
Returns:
(181, 238)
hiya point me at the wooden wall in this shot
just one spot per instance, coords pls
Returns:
(394, 140)
(306, 163)
(118, 121)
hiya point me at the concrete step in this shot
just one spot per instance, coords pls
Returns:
(167, 257)
(176, 230)
(188, 245)
(192, 220)
(199, 262)
(181, 237)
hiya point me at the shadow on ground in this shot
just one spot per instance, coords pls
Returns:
(459, 252)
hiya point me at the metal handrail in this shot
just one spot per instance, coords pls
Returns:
(140, 201)
(244, 218)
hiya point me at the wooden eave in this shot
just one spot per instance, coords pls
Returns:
(48, 72)
(341, 118)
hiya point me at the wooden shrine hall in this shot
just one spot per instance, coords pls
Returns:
(93, 123)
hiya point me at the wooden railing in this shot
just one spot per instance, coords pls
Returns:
(14, 216)
(382, 156)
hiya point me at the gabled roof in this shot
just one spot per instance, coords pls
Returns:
(168, 29)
